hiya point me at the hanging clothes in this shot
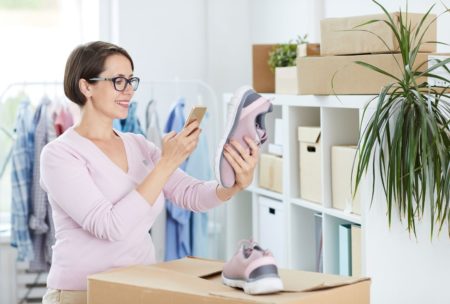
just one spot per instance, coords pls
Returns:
(42, 234)
(63, 120)
(131, 123)
(158, 230)
(178, 243)
(152, 126)
(21, 177)
(199, 167)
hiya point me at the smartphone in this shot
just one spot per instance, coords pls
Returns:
(197, 113)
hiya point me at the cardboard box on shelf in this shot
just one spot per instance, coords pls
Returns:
(263, 77)
(336, 39)
(308, 49)
(271, 172)
(192, 280)
(310, 164)
(286, 80)
(341, 177)
(315, 74)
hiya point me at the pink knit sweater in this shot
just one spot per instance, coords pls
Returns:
(101, 221)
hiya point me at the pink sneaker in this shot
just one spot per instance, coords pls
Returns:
(246, 119)
(252, 269)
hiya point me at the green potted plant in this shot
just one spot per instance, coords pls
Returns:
(284, 55)
(282, 61)
(406, 140)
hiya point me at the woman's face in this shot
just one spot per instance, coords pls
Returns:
(105, 98)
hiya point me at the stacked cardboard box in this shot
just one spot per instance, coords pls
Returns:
(263, 77)
(335, 71)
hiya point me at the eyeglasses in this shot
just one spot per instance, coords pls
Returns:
(120, 82)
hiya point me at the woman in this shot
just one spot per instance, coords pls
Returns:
(106, 188)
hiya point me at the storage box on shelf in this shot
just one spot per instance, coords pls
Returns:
(308, 49)
(286, 80)
(331, 75)
(342, 162)
(271, 172)
(272, 229)
(339, 125)
(339, 36)
(310, 164)
(263, 77)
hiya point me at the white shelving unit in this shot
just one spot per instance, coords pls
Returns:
(339, 120)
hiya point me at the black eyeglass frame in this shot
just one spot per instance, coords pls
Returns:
(114, 79)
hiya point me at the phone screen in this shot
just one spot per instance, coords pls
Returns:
(197, 113)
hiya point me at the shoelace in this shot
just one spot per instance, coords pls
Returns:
(252, 245)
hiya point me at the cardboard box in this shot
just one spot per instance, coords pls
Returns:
(315, 74)
(310, 164)
(191, 280)
(286, 80)
(308, 49)
(336, 40)
(342, 158)
(271, 172)
(263, 77)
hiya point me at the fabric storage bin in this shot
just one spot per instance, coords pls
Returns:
(341, 177)
(271, 172)
(310, 164)
(272, 231)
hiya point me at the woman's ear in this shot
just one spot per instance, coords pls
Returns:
(85, 88)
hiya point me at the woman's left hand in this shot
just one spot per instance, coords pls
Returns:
(243, 162)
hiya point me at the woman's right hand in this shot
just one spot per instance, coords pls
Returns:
(176, 148)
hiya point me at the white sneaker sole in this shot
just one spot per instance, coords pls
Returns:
(235, 102)
(261, 286)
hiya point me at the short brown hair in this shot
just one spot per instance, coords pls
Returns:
(87, 61)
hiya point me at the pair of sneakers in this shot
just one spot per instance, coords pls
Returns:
(246, 119)
(252, 269)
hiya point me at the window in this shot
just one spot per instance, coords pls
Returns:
(37, 37)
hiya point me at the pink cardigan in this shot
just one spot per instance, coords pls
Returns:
(101, 221)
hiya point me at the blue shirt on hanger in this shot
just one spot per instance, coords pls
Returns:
(199, 167)
(178, 243)
(131, 123)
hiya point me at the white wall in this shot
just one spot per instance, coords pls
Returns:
(228, 51)
(234, 25)
(166, 39)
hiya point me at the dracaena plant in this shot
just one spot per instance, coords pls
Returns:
(407, 138)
